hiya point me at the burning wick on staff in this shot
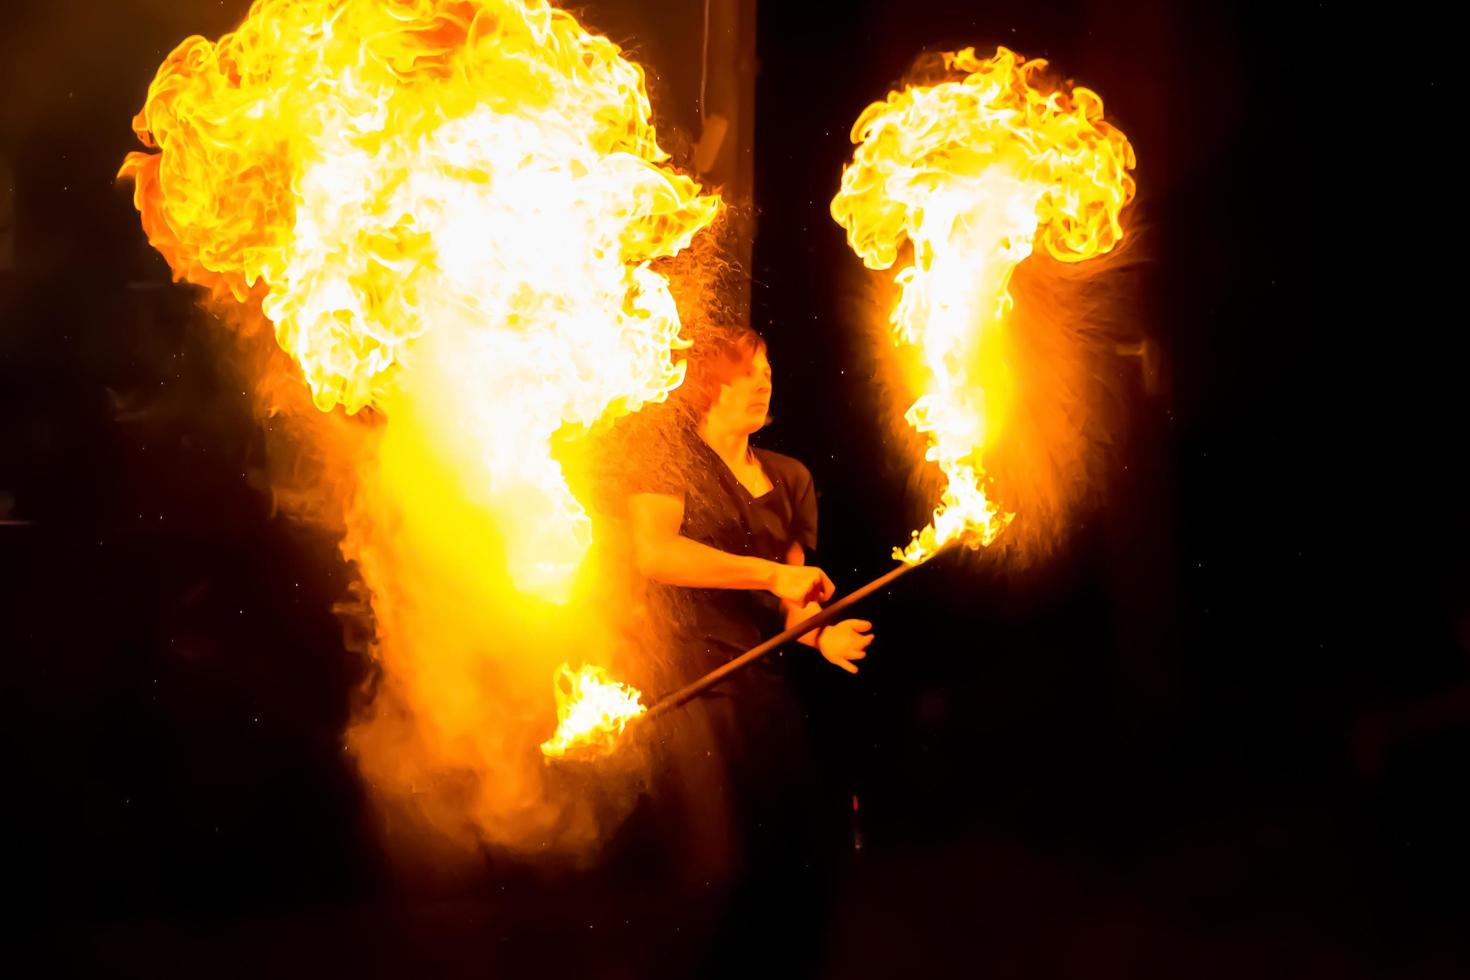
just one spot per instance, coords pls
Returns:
(593, 708)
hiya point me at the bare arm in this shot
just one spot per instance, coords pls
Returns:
(665, 555)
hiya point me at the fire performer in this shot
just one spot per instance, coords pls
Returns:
(725, 538)
(736, 527)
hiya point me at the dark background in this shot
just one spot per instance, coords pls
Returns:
(1220, 734)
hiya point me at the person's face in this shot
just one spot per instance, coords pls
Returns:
(745, 400)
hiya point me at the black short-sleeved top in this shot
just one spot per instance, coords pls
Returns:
(749, 731)
(720, 512)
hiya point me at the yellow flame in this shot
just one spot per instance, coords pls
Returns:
(446, 208)
(453, 215)
(593, 710)
(972, 173)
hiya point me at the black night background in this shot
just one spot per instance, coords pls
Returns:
(1195, 742)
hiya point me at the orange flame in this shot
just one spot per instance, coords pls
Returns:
(593, 710)
(450, 212)
(444, 206)
(972, 173)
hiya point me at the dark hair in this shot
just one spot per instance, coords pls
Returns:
(718, 353)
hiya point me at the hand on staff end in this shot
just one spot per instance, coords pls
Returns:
(800, 584)
(842, 643)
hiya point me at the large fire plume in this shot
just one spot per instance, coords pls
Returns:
(451, 213)
(960, 179)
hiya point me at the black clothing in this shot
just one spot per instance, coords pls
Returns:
(720, 512)
(746, 738)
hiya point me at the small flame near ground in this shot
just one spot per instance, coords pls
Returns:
(964, 178)
(593, 710)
